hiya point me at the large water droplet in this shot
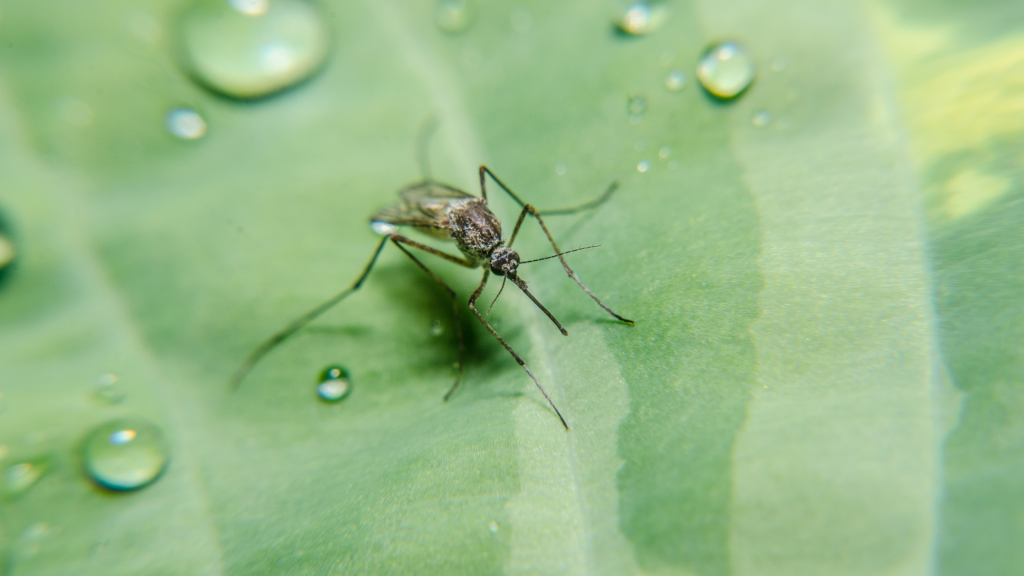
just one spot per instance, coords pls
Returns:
(725, 70)
(454, 16)
(638, 18)
(185, 123)
(125, 454)
(334, 384)
(252, 48)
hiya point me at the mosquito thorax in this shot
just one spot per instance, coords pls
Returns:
(504, 261)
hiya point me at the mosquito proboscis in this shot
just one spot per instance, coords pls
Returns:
(445, 212)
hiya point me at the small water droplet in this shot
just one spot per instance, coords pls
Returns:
(333, 384)
(185, 123)
(640, 145)
(75, 112)
(493, 527)
(780, 63)
(4, 451)
(637, 107)
(383, 228)
(125, 454)
(676, 80)
(561, 168)
(639, 18)
(761, 118)
(522, 19)
(725, 70)
(107, 389)
(673, 164)
(664, 152)
(643, 166)
(252, 48)
(436, 328)
(18, 478)
(454, 16)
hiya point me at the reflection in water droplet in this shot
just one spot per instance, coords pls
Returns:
(643, 166)
(780, 63)
(493, 527)
(125, 454)
(761, 118)
(18, 478)
(333, 384)
(252, 48)
(636, 106)
(665, 152)
(676, 80)
(453, 16)
(561, 168)
(383, 228)
(641, 17)
(107, 389)
(725, 70)
(436, 328)
(185, 123)
(522, 19)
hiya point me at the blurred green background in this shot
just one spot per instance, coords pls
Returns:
(827, 274)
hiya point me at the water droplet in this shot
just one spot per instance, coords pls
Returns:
(7, 252)
(4, 451)
(665, 152)
(252, 48)
(725, 70)
(383, 228)
(75, 112)
(522, 19)
(640, 145)
(676, 80)
(640, 18)
(761, 118)
(436, 328)
(643, 166)
(107, 390)
(18, 478)
(454, 16)
(493, 527)
(780, 63)
(333, 384)
(561, 168)
(185, 123)
(125, 454)
(673, 164)
(637, 106)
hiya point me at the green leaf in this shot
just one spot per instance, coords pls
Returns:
(825, 372)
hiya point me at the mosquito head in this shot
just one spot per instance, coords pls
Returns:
(504, 261)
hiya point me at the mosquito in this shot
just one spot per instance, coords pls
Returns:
(447, 213)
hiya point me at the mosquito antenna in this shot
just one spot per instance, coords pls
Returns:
(496, 295)
(427, 130)
(561, 253)
(522, 286)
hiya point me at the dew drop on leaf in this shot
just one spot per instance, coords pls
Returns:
(18, 478)
(725, 70)
(636, 106)
(333, 384)
(252, 48)
(107, 389)
(125, 454)
(185, 123)
(8, 250)
(436, 328)
(761, 118)
(640, 17)
(454, 16)
(676, 80)
(643, 166)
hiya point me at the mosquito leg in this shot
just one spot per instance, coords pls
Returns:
(398, 241)
(472, 306)
(586, 205)
(283, 334)
(484, 170)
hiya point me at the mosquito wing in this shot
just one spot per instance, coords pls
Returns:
(424, 206)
